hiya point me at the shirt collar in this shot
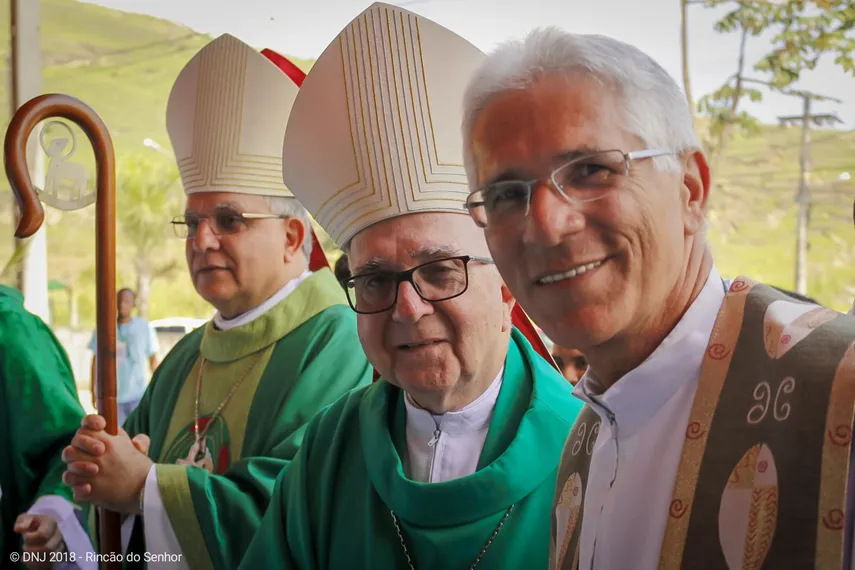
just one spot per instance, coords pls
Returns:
(227, 324)
(641, 392)
(474, 416)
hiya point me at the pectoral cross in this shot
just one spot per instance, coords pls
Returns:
(199, 456)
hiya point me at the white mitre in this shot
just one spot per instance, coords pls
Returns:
(226, 118)
(375, 130)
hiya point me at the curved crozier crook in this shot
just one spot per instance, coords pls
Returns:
(31, 212)
(32, 215)
(30, 114)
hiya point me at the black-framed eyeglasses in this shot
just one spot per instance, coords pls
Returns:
(434, 281)
(583, 179)
(223, 222)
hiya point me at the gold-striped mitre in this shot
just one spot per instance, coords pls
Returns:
(226, 118)
(375, 130)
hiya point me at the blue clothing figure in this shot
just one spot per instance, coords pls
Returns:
(136, 342)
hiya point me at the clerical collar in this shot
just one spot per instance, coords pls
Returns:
(641, 392)
(249, 316)
(472, 417)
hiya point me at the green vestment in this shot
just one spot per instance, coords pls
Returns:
(332, 506)
(297, 358)
(39, 414)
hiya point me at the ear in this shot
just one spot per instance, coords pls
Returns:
(696, 191)
(295, 235)
(508, 303)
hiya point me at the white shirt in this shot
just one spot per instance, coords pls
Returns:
(448, 446)
(637, 452)
(227, 324)
(160, 537)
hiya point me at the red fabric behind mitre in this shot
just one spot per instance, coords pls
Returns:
(318, 259)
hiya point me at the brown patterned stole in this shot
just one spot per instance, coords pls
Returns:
(763, 471)
(570, 490)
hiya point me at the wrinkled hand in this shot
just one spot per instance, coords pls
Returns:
(40, 534)
(106, 470)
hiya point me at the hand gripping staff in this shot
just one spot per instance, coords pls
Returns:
(31, 217)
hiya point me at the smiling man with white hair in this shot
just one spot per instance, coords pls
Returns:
(450, 460)
(718, 424)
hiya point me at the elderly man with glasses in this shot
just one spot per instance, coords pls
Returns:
(450, 460)
(227, 409)
(718, 424)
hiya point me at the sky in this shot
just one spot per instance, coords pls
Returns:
(304, 28)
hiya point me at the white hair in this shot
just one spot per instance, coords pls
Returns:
(287, 206)
(654, 106)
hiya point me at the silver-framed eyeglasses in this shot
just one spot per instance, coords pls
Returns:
(439, 280)
(223, 221)
(583, 179)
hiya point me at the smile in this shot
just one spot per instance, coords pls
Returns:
(568, 274)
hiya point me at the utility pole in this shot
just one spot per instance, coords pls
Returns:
(26, 64)
(803, 194)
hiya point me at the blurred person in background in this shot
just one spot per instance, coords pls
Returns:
(136, 343)
(570, 361)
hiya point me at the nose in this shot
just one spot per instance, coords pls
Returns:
(551, 217)
(410, 307)
(204, 240)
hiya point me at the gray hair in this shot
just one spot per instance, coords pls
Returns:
(287, 206)
(654, 107)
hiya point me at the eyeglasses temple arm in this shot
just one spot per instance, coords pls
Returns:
(648, 153)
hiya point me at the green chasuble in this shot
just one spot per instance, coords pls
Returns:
(332, 507)
(286, 365)
(39, 414)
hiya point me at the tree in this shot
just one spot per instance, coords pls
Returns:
(147, 190)
(684, 49)
(808, 30)
(803, 31)
(722, 105)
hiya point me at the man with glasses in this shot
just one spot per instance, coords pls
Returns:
(718, 424)
(450, 460)
(227, 409)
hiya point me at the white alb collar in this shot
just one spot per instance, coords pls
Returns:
(474, 416)
(252, 314)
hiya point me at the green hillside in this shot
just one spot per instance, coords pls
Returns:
(123, 65)
(753, 215)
